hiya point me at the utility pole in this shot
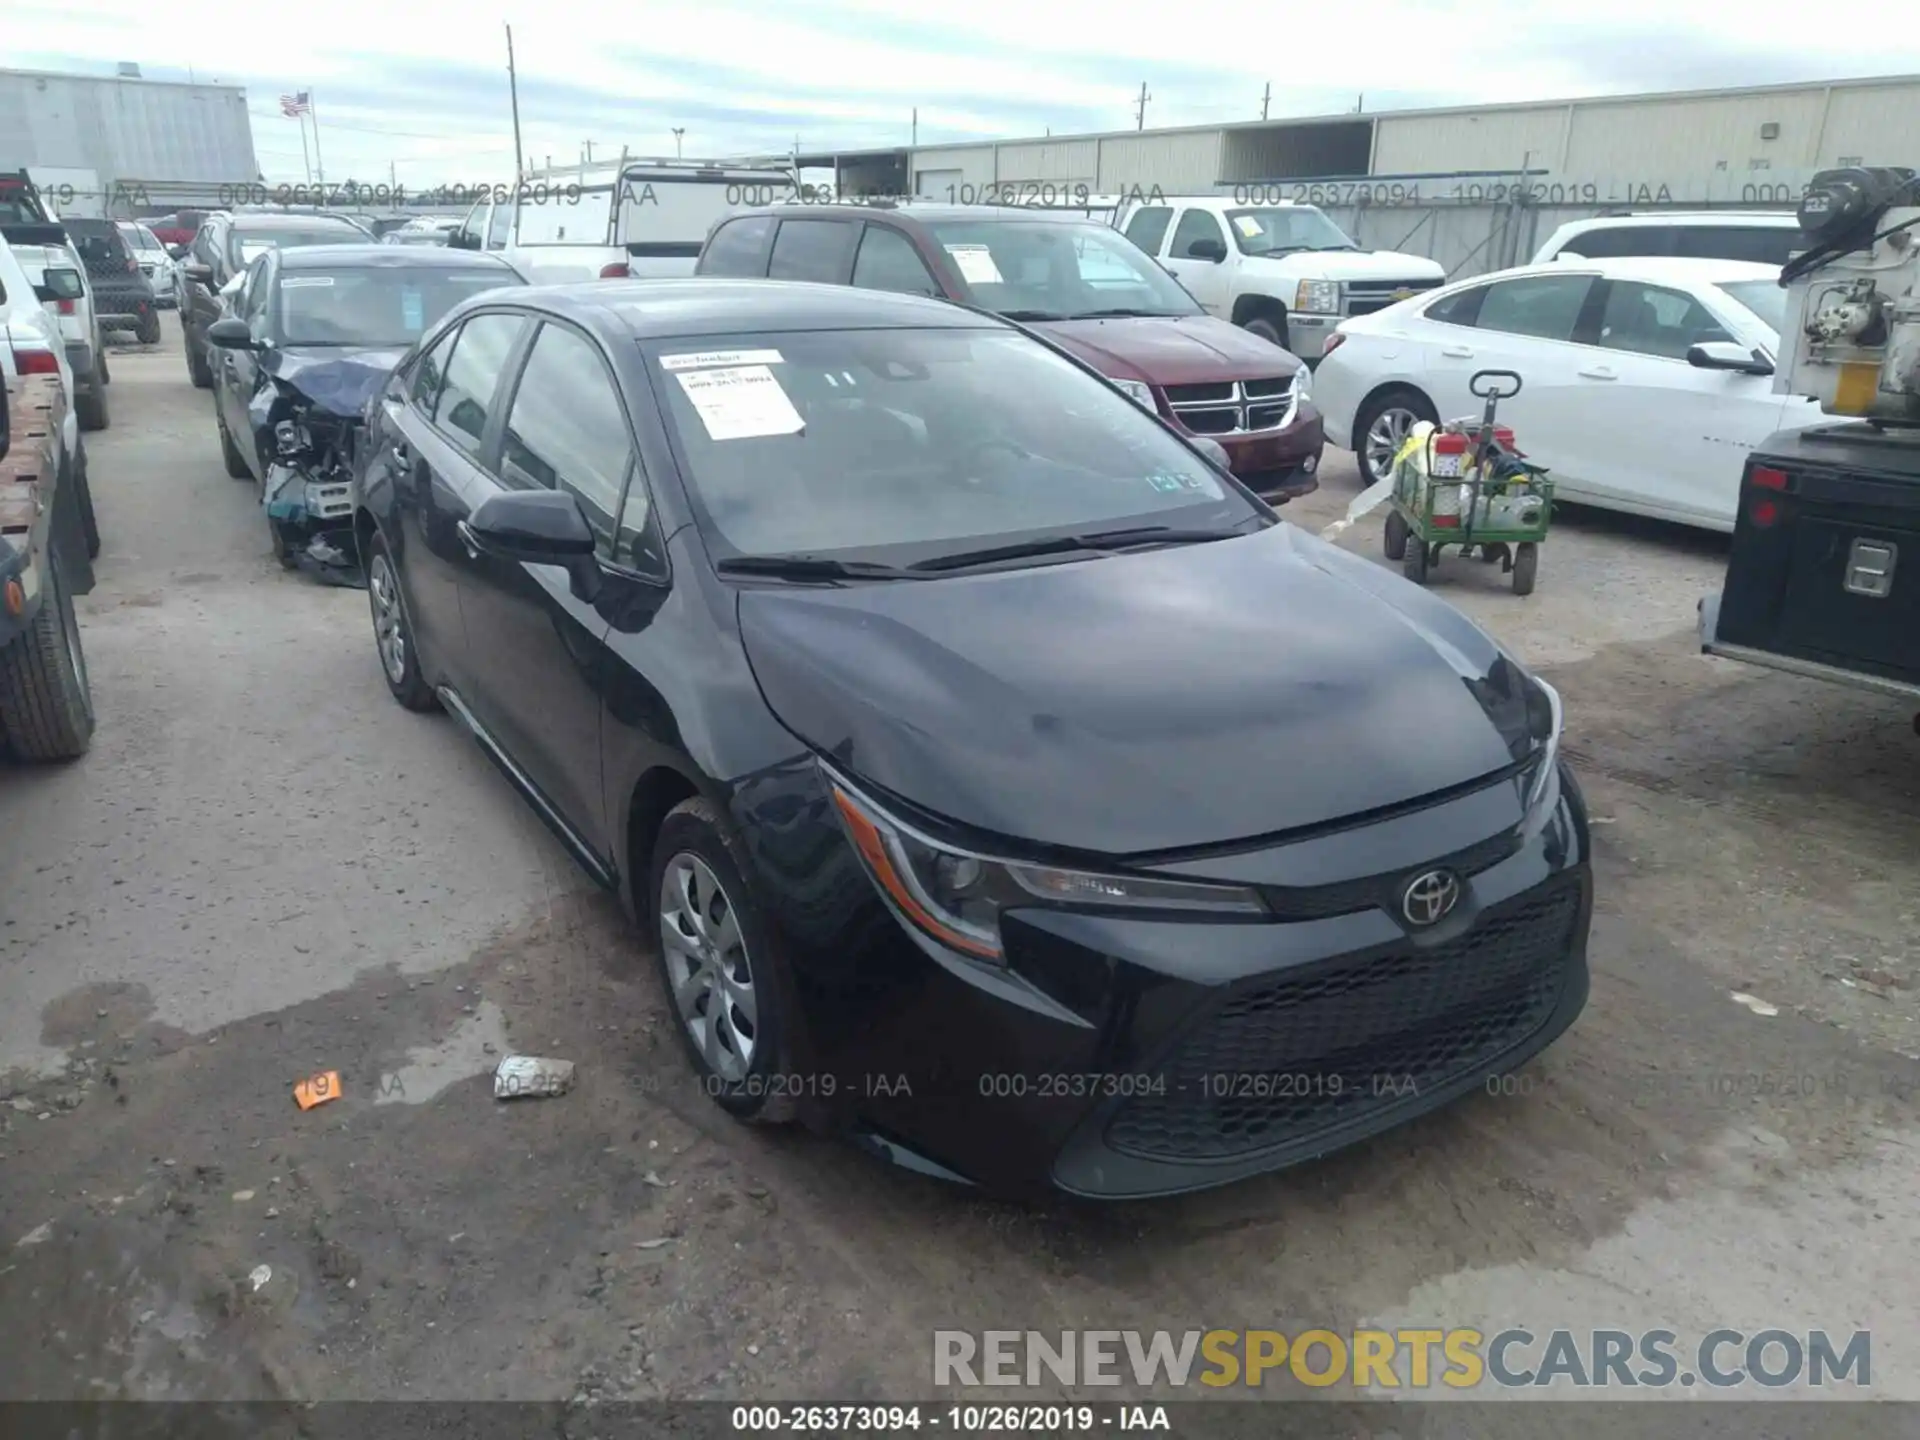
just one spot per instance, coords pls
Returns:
(916, 125)
(1360, 104)
(1265, 100)
(589, 152)
(678, 131)
(1140, 114)
(519, 170)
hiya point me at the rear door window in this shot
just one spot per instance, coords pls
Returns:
(473, 377)
(1148, 227)
(1765, 245)
(1613, 242)
(1195, 226)
(1546, 307)
(816, 250)
(738, 248)
(424, 388)
(1654, 320)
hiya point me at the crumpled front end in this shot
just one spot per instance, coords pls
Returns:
(308, 494)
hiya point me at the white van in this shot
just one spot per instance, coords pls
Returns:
(641, 218)
(1767, 237)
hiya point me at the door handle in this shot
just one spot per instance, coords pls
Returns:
(402, 456)
(1599, 372)
(1456, 352)
(466, 539)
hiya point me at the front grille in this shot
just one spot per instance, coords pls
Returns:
(1238, 407)
(1282, 1061)
(1364, 297)
(1322, 902)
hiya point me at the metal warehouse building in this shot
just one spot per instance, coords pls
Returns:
(171, 140)
(1474, 186)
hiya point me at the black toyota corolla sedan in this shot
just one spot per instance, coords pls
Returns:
(997, 779)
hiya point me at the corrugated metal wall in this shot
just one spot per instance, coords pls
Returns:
(1175, 161)
(1069, 162)
(1493, 140)
(126, 129)
(1680, 137)
(1873, 124)
(959, 165)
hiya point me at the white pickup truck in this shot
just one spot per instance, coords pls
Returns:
(640, 218)
(1281, 270)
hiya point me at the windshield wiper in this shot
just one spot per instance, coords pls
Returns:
(1133, 315)
(1096, 540)
(1029, 315)
(810, 567)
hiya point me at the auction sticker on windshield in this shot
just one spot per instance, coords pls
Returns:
(976, 264)
(1249, 226)
(741, 403)
(709, 359)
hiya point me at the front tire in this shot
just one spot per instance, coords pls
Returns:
(717, 960)
(1526, 566)
(198, 370)
(1274, 332)
(1394, 542)
(393, 633)
(230, 455)
(90, 405)
(1382, 427)
(46, 704)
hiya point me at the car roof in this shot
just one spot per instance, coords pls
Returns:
(659, 309)
(1753, 219)
(921, 210)
(289, 220)
(1672, 269)
(367, 254)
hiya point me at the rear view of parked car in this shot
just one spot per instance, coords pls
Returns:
(946, 718)
(155, 263)
(123, 296)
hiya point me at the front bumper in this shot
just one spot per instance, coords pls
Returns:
(1712, 644)
(1277, 464)
(1118, 1057)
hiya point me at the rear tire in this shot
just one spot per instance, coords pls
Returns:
(393, 633)
(230, 455)
(1526, 566)
(46, 707)
(1417, 560)
(1394, 542)
(148, 331)
(100, 361)
(715, 948)
(90, 405)
(198, 370)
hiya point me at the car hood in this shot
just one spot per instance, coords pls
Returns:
(1176, 350)
(1352, 265)
(1142, 703)
(338, 380)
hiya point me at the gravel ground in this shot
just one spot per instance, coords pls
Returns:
(265, 869)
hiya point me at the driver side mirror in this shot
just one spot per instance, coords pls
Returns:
(1213, 251)
(1725, 355)
(462, 240)
(196, 272)
(178, 252)
(231, 333)
(536, 527)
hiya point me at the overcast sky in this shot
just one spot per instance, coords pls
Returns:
(422, 86)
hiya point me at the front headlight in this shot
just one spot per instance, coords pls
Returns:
(1545, 719)
(1303, 386)
(955, 897)
(1317, 297)
(1139, 392)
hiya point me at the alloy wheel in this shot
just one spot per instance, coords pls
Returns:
(1385, 437)
(389, 628)
(708, 967)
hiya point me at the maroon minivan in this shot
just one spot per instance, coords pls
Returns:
(1081, 283)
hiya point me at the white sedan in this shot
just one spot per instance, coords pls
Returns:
(1646, 381)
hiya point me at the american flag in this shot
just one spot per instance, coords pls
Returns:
(293, 106)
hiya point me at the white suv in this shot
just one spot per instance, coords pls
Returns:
(31, 344)
(59, 281)
(1767, 237)
(1283, 271)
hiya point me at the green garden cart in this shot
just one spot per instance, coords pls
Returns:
(1465, 483)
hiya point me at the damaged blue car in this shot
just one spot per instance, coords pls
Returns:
(309, 338)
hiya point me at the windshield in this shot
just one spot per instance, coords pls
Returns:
(379, 306)
(1764, 298)
(138, 238)
(903, 445)
(1285, 228)
(245, 246)
(1046, 269)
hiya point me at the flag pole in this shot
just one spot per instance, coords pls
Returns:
(319, 165)
(306, 158)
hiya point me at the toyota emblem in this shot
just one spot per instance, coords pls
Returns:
(1429, 898)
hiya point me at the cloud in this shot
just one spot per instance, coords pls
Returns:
(422, 88)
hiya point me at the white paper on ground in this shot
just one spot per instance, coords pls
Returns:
(710, 359)
(976, 264)
(741, 403)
